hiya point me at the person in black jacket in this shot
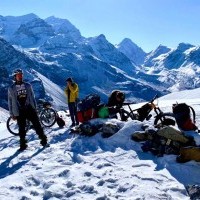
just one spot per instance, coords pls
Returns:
(115, 102)
(22, 106)
(116, 99)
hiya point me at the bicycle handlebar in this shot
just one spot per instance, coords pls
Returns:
(127, 103)
(155, 97)
(151, 101)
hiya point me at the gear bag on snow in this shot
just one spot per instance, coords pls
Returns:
(60, 121)
(90, 101)
(183, 118)
(189, 153)
(88, 129)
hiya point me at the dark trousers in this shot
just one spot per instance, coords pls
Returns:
(73, 112)
(29, 114)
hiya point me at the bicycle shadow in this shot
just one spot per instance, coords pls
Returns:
(5, 170)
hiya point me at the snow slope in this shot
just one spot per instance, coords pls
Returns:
(77, 167)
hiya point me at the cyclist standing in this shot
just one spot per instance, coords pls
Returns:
(72, 92)
(22, 106)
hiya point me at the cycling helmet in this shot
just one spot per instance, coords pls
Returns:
(17, 71)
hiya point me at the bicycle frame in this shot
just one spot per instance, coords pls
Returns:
(47, 117)
(143, 112)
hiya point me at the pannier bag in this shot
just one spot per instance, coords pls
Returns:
(60, 121)
(103, 112)
(86, 115)
(90, 101)
(183, 118)
(144, 111)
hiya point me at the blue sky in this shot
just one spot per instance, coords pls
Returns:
(148, 23)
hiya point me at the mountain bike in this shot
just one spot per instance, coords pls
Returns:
(143, 113)
(47, 116)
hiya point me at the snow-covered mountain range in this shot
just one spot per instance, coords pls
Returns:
(54, 48)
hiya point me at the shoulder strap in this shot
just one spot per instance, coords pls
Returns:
(193, 112)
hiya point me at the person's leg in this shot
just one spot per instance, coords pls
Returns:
(33, 117)
(71, 112)
(75, 113)
(21, 121)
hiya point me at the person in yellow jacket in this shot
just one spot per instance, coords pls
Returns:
(71, 92)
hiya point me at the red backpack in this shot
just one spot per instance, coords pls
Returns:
(183, 117)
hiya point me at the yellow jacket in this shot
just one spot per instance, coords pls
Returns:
(72, 92)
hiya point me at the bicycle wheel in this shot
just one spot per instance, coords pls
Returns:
(13, 128)
(165, 119)
(125, 115)
(48, 117)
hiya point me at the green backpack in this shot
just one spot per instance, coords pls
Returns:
(103, 112)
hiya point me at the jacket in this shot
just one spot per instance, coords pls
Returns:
(13, 104)
(112, 100)
(72, 92)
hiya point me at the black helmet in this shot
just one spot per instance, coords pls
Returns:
(17, 71)
(69, 79)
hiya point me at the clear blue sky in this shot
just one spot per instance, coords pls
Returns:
(147, 23)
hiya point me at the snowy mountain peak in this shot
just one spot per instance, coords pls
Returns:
(24, 18)
(132, 51)
(184, 46)
(161, 49)
(127, 42)
(100, 38)
(33, 33)
(63, 26)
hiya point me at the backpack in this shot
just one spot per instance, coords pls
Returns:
(90, 101)
(60, 121)
(84, 116)
(183, 118)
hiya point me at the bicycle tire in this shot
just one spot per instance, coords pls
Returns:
(48, 117)
(165, 119)
(13, 128)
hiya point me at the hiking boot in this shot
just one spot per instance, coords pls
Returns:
(23, 147)
(77, 123)
(43, 142)
(72, 125)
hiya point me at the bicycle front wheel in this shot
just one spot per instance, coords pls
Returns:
(165, 119)
(13, 127)
(48, 117)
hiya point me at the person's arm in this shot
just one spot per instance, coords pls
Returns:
(73, 87)
(10, 105)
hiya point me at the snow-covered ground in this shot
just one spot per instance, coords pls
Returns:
(94, 168)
